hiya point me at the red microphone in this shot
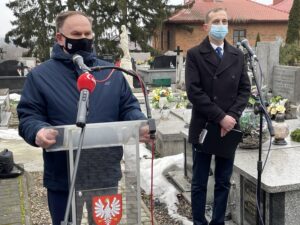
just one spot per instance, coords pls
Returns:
(86, 81)
(86, 84)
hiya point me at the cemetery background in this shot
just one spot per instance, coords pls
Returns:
(282, 80)
(170, 141)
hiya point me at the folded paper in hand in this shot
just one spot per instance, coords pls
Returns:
(214, 144)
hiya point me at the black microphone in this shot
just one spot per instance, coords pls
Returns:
(250, 51)
(78, 60)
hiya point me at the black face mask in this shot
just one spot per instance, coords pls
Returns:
(74, 45)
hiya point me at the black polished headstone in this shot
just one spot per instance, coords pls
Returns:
(9, 68)
(164, 62)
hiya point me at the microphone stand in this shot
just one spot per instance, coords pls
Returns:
(73, 178)
(260, 109)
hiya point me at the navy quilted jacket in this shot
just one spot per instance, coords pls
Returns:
(50, 97)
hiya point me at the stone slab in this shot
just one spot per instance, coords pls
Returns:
(282, 170)
(140, 97)
(185, 188)
(16, 209)
(148, 75)
(4, 91)
(286, 82)
(180, 180)
(281, 173)
(169, 141)
(268, 56)
(14, 84)
(31, 157)
(4, 107)
(4, 120)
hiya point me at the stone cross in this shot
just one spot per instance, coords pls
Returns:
(179, 68)
(178, 50)
(126, 60)
(2, 53)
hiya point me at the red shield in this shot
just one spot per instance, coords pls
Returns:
(107, 209)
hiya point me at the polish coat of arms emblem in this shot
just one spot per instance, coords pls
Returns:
(107, 209)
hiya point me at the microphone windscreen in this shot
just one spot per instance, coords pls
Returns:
(77, 58)
(244, 43)
(86, 81)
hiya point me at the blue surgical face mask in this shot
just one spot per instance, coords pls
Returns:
(218, 32)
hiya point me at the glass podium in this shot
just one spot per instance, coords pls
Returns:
(107, 187)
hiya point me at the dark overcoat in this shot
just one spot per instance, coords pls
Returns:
(215, 87)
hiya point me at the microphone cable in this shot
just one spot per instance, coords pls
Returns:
(270, 143)
(107, 78)
(131, 73)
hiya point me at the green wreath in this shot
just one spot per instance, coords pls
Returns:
(295, 135)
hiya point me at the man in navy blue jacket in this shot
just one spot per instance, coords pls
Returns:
(50, 98)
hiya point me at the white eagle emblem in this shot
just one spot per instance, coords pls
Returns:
(109, 210)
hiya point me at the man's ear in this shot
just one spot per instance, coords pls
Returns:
(206, 27)
(59, 38)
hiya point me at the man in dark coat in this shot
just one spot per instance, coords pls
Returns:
(218, 87)
(50, 97)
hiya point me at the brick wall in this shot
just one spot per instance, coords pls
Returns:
(187, 36)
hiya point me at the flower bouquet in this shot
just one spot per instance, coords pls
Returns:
(277, 105)
(161, 98)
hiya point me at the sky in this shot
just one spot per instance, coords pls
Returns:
(6, 14)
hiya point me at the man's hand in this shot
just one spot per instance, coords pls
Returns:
(223, 132)
(144, 134)
(227, 123)
(46, 137)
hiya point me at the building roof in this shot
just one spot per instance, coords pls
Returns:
(238, 10)
(284, 6)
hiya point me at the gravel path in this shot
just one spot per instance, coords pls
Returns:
(40, 214)
(161, 212)
(38, 200)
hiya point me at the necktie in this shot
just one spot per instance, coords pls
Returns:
(219, 52)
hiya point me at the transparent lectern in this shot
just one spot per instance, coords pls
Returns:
(107, 187)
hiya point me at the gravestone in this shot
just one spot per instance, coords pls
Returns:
(169, 141)
(179, 62)
(166, 76)
(286, 82)
(164, 62)
(249, 202)
(268, 56)
(180, 78)
(13, 83)
(9, 68)
(140, 57)
(280, 185)
(4, 107)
